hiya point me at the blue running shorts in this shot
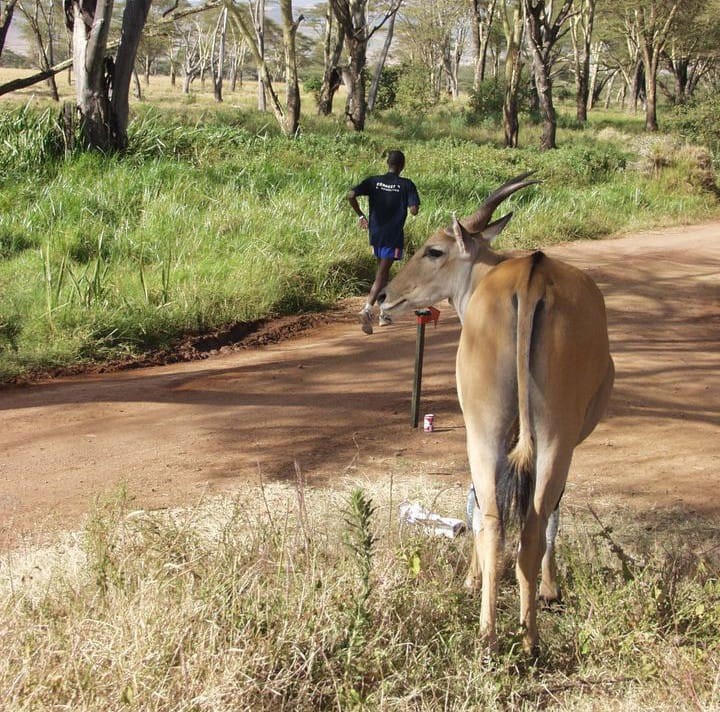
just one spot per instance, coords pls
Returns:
(388, 253)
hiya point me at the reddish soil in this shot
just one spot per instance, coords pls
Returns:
(337, 402)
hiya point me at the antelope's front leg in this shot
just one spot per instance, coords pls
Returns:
(473, 581)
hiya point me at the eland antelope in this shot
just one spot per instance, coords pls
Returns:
(534, 376)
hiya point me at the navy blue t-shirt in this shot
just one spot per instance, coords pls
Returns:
(390, 197)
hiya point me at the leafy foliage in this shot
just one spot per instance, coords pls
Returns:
(699, 122)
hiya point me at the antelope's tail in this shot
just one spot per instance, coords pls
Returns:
(518, 484)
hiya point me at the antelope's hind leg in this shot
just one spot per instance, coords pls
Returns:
(551, 475)
(549, 588)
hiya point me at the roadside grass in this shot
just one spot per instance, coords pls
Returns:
(213, 218)
(295, 598)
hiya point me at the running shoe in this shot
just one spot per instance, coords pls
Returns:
(365, 319)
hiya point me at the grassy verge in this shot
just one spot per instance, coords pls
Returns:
(302, 599)
(213, 218)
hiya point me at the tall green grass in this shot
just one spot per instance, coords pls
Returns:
(213, 218)
(318, 599)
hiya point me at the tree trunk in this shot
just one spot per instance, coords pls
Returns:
(582, 28)
(356, 103)
(352, 18)
(291, 120)
(5, 20)
(610, 84)
(482, 23)
(372, 97)
(332, 78)
(638, 85)
(259, 22)
(679, 68)
(513, 27)
(52, 85)
(543, 32)
(136, 82)
(651, 123)
(288, 116)
(133, 22)
(91, 88)
(218, 68)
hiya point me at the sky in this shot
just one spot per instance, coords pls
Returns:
(18, 44)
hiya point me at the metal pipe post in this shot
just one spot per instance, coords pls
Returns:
(417, 380)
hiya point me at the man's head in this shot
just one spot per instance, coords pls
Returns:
(396, 161)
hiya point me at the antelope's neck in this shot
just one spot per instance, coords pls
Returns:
(480, 268)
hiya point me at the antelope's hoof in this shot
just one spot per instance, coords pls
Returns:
(552, 602)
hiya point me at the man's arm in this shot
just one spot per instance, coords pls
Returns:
(358, 211)
(413, 199)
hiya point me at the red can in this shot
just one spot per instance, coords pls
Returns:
(429, 423)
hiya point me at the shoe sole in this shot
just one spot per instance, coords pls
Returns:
(365, 323)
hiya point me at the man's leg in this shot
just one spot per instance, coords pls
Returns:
(382, 276)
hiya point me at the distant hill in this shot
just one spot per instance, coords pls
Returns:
(14, 60)
(15, 40)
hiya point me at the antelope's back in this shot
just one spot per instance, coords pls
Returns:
(569, 347)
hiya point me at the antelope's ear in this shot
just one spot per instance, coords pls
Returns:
(461, 236)
(495, 228)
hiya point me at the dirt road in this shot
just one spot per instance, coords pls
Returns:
(337, 402)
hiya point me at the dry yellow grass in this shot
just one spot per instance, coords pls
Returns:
(251, 602)
(159, 93)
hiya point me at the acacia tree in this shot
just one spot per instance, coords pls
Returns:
(433, 34)
(352, 19)
(511, 13)
(692, 49)
(647, 25)
(287, 115)
(236, 60)
(102, 88)
(41, 20)
(377, 74)
(654, 24)
(581, 29)
(453, 49)
(195, 53)
(543, 32)
(333, 42)
(483, 16)
(218, 59)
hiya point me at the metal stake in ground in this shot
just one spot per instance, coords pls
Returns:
(424, 316)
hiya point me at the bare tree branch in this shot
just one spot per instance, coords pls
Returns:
(24, 82)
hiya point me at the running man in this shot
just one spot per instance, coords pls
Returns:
(390, 197)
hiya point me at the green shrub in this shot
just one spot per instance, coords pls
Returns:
(699, 122)
(414, 94)
(313, 86)
(387, 88)
(486, 102)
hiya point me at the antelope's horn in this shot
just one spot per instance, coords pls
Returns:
(478, 221)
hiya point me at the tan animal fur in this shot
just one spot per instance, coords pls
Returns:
(534, 376)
